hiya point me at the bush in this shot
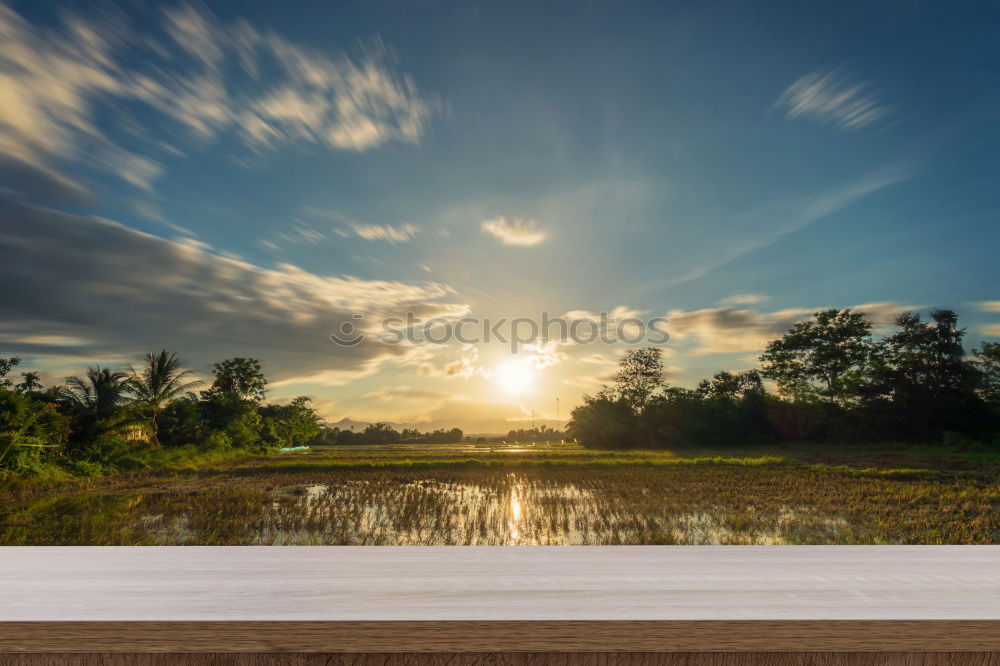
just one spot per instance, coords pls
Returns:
(28, 423)
(217, 440)
(112, 452)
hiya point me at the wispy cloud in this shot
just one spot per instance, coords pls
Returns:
(385, 232)
(834, 99)
(460, 369)
(299, 233)
(65, 89)
(406, 393)
(988, 306)
(618, 313)
(392, 233)
(463, 367)
(515, 231)
(742, 299)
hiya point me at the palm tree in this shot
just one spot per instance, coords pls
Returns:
(100, 391)
(160, 380)
(98, 397)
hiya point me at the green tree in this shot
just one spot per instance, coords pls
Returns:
(639, 377)
(239, 420)
(238, 379)
(96, 402)
(824, 359)
(293, 424)
(160, 380)
(232, 403)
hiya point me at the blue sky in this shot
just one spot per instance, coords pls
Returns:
(240, 178)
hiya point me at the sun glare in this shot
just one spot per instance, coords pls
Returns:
(515, 376)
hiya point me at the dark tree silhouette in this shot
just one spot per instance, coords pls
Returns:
(640, 376)
(836, 383)
(988, 362)
(605, 422)
(31, 382)
(823, 359)
(6, 365)
(921, 369)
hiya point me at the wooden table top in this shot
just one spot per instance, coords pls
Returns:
(375, 599)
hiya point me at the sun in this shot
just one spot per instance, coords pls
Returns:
(515, 376)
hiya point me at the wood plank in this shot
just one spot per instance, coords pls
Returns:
(517, 659)
(457, 600)
(498, 583)
(500, 636)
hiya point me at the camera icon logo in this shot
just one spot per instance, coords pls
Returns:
(347, 334)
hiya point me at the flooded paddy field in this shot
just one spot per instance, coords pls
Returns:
(503, 496)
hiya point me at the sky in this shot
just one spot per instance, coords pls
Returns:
(229, 179)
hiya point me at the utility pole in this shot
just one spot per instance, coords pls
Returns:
(532, 419)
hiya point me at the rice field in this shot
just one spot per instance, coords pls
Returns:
(533, 495)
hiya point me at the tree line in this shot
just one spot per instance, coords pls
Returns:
(112, 419)
(383, 433)
(542, 433)
(109, 419)
(834, 380)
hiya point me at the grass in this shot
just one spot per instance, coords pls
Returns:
(478, 463)
(520, 494)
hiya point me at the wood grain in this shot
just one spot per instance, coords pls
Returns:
(517, 659)
(500, 636)
(490, 600)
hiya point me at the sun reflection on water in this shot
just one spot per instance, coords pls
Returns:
(515, 515)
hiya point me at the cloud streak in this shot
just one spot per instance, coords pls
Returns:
(406, 393)
(71, 92)
(515, 231)
(833, 99)
(385, 232)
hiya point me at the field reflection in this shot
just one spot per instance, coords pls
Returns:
(536, 501)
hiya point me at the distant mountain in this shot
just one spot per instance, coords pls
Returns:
(347, 423)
